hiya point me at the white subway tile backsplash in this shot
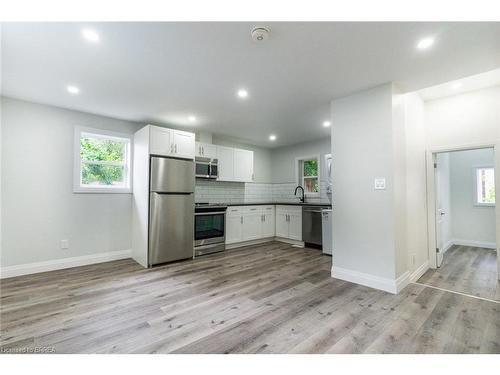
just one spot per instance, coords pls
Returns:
(211, 191)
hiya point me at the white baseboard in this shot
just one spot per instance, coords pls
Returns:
(264, 240)
(248, 243)
(393, 286)
(419, 272)
(461, 242)
(57, 264)
(447, 245)
(291, 242)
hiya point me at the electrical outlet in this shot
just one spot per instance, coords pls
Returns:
(64, 244)
(379, 184)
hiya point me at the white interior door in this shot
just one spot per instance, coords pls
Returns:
(439, 211)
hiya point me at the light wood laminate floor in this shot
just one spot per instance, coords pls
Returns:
(469, 270)
(272, 298)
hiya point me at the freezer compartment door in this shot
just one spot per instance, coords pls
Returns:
(172, 175)
(171, 228)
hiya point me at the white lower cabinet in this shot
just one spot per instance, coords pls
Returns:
(234, 225)
(252, 223)
(269, 222)
(289, 222)
(248, 223)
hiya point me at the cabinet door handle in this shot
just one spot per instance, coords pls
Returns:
(264, 216)
(241, 219)
(172, 148)
(203, 150)
(176, 148)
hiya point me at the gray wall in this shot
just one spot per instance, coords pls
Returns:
(469, 223)
(39, 206)
(283, 159)
(363, 230)
(261, 157)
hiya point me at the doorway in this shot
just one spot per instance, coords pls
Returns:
(462, 222)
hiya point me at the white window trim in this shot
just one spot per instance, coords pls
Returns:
(476, 203)
(298, 174)
(77, 165)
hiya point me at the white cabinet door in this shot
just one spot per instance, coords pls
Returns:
(243, 165)
(252, 225)
(226, 163)
(206, 150)
(198, 150)
(281, 224)
(234, 228)
(160, 141)
(295, 226)
(184, 144)
(268, 224)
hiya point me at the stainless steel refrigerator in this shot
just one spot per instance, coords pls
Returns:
(171, 210)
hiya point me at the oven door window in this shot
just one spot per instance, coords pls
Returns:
(209, 226)
(202, 169)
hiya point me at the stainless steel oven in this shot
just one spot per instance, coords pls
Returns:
(206, 168)
(209, 228)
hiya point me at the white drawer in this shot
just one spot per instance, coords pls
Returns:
(235, 210)
(253, 209)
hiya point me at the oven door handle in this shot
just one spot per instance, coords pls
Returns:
(210, 213)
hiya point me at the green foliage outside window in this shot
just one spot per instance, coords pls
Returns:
(310, 167)
(107, 152)
(311, 184)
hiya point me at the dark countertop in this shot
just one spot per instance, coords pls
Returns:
(279, 204)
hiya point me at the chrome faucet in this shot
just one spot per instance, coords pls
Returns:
(302, 199)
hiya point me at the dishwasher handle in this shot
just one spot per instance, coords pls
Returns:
(314, 210)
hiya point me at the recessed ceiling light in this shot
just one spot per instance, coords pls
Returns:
(326, 124)
(272, 137)
(72, 89)
(456, 85)
(242, 93)
(425, 43)
(192, 118)
(90, 35)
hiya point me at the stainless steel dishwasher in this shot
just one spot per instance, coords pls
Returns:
(312, 226)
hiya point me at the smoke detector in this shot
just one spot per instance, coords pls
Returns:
(259, 34)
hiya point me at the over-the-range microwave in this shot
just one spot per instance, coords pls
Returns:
(206, 168)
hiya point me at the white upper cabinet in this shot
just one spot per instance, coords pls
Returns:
(243, 162)
(235, 164)
(225, 156)
(206, 150)
(184, 144)
(160, 141)
(169, 142)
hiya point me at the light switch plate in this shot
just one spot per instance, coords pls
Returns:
(64, 244)
(379, 184)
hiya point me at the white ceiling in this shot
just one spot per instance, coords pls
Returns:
(471, 83)
(164, 72)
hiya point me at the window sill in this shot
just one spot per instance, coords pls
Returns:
(484, 205)
(102, 191)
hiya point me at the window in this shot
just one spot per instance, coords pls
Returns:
(485, 186)
(102, 161)
(309, 175)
